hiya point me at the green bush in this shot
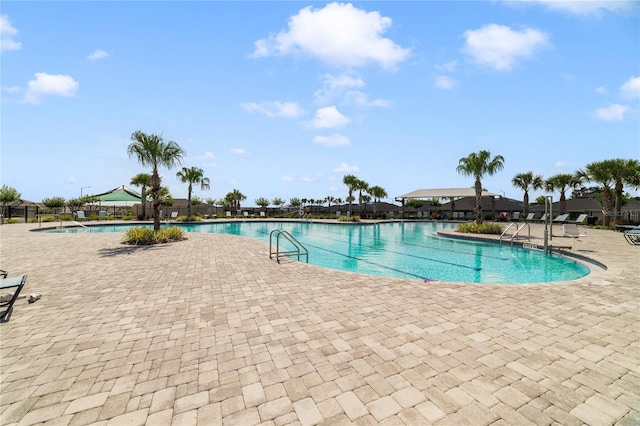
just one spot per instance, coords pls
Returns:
(484, 228)
(147, 236)
(349, 219)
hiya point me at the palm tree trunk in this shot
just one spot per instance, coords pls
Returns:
(155, 193)
(478, 208)
(189, 205)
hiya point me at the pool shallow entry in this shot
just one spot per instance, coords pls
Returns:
(403, 250)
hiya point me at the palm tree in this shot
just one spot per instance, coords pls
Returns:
(360, 187)
(193, 175)
(143, 180)
(625, 172)
(477, 165)
(329, 199)
(527, 181)
(351, 181)
(602, 173)
(377, 192)
(153, 151)
(561, 182)
(234, 198)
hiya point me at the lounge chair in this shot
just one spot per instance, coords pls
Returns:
(516, 216)
(542, 218)
(633, 236)
(102, 215)
(228, 214)
(561, 218)
(16, 284)
(80, 215)
(174, 216)
(579, 220)
(573, 231)
(529, 217)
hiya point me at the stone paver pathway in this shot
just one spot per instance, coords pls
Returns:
(209, 331)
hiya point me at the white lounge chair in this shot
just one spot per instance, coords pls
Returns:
(572, 230)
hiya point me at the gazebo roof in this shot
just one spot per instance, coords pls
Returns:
(120, 196)
(445, 193)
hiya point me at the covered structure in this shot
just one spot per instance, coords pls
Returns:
(120, 197)
(452, 193)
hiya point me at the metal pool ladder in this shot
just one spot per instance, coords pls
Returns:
(299, 250)
(518, 229)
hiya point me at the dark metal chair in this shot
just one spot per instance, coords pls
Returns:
(16, 284)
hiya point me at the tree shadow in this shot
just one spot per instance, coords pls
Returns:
(126, 249)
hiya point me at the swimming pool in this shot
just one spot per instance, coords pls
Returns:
(400, 249)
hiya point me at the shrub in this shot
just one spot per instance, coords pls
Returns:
(146, 236)
(484, 228)
(349, 219)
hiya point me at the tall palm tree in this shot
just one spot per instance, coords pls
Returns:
(193, 175)
(561, 182)
(143, 180)
(351, 181)
(153, 151)
(626, 172)
(601, 172)
(477, 165)
(377, 192)
(527, 181)
(361, 186)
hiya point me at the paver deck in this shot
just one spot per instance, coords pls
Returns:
(210, 331)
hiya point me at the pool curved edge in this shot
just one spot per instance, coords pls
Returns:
(529, 245)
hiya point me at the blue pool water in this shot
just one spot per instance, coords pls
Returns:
(400, 249)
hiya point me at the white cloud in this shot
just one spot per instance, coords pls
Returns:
(328, 117)
(614, 112)
(590, 7)
(358, 98)
(334, 86)
(275, 109)
(500, 47)
(309, 179)
(49, 85)
(98, 54)
(207, 156)
(631, 88)
(601, 90)
(11, 89)
(238, 151)
(287, 179)
(344, 167)
(446, 82)
(448, 67)
(338, 34)
(333, 140)
(7, 33)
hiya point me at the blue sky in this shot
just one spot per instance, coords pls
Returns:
(282, 99)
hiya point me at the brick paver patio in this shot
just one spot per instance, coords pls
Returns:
(210, 331)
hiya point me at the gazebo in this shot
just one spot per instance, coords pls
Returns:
(450, 193)
(122, 196)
